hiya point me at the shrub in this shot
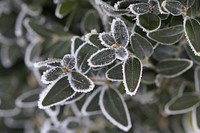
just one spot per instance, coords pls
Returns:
(98, 66)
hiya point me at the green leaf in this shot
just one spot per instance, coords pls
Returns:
(196, 119)
(91, 106)
(90, 22)
(51, 75)
(149, 76)
(192, 33)
(124, 4)
(56, 93)
(121, 53)
(141, 47)
(51, 62)
(68, 61)
(182, 104)
(173, 7)
(191, 54)
(115, 73)
(74, 99)
(82, 54)
(7, 106)
(115, 109)
(93, 39)
(106, 39)
(76, 41)
(139, 8)
(120, 32)
(111, 11)
(28, 99)
(103, 57)
(197, 78)
(148, 22)
(167, 36)
(155, 5)
(80, 82)
(132, 73)
(65, 8)
(173, 67)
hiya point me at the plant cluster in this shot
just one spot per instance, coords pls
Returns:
(100, 66)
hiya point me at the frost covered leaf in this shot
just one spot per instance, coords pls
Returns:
(191, 54)
(7, 106)
(132, 73)
(155, 5)
(93, 39)
(197, 79)
(83, 53)
(124, 4)
(111, 11)
(90, 21)
(68, 61)
(91, 106)
(120, 32)
(28, 99)
(106, 39)
(51, 75)
(115, 73)
(80, 82)
(102, 57)
(192, 33)
(182, 104)
(75, 98)
(173, 7)
(56, 93)
(115, 109)
(51, 62)
(140, 46)
(139, 8)
(121, 53)
(173, 67)
(65, 8)
(189, 3)
(149, 22)
(196, 119)
(167, 36)
(75, 43)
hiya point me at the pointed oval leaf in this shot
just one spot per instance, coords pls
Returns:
(197, 78)
(167, 36)
(192, 33)
(182, 104)
(51, 62)
(51, 75)
(191, 54)
(173, 7)
(153, 20)
(28, 99)
(68, 61)
(56, 93)
(83, 53)
(132, 73)
(115, 73)
(196, 119)
(80, 82)
(139, 8)
(115, 109)
(121, 53)
(173, 67)
(141, 47)
(111, 11)
(76, 41)
(93, 39)
(91, 106)
(103, 57)
(120, 32)
(106, 39)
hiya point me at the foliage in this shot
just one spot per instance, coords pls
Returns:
(98, 66)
